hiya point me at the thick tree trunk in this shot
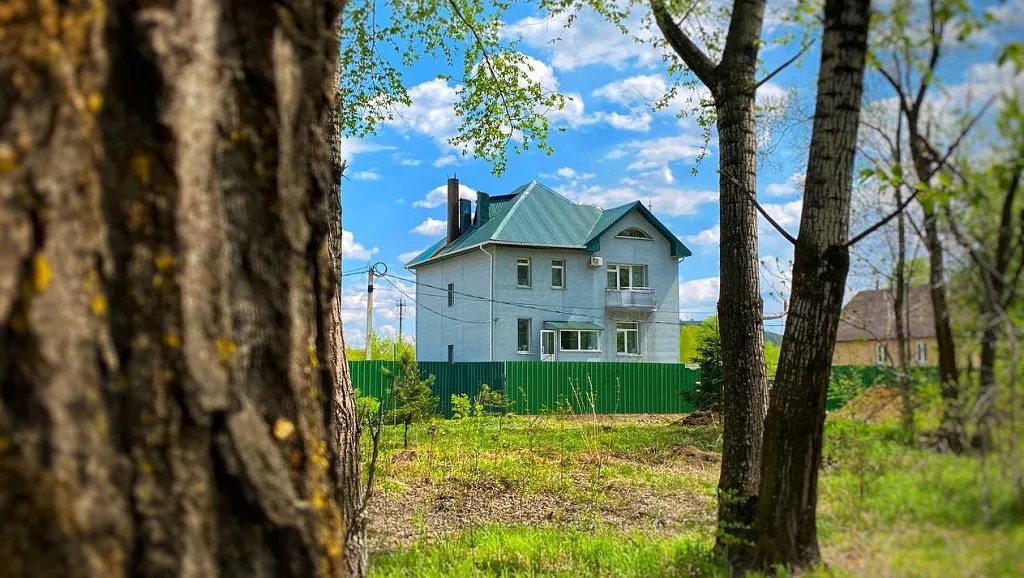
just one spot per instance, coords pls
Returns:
(786, 515)
(740, 308)
(171, 369)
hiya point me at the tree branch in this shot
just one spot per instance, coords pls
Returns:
(899, 209)
(941, 162)
(898, 87)
(783, 66)
(759, 208)
(692, 55)
(937, 28)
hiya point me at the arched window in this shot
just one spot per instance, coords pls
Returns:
(633, 233)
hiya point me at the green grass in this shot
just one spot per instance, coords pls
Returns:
(563, 497)
(520, 551)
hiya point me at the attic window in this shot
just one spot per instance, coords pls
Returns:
(633, 234)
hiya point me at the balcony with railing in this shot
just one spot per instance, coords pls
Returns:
(630, 299)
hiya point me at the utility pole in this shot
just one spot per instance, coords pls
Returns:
(369, 311)
(401, 315)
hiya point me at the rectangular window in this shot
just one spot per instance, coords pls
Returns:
(881, 355)
(627, 338)
(625, 277)
(922, 353)
(451, 353)
(523, 277)
(523, 335)
(578, 340)
(558, 274)
(547, 343)
(451, 294)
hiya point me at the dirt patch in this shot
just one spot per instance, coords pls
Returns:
(431, 511)
(697, 454)
(874, 405)
(637, 418)
(698, 418)
(403, 456)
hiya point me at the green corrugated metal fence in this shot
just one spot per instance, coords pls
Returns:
(535, 387)
(538, 386)
(450, 378)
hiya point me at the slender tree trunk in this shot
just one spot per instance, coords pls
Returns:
(994, 278)
(902, 318)
(170, 359)
(951, 428)
(786, 516)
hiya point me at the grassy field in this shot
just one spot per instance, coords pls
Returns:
(635, 496)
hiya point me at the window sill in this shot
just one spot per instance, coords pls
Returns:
(617, 354)
(524, 353)
(579, 351)
(557, 288)
(524, 286)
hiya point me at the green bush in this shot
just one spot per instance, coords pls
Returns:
(461, 406)
(707, 394)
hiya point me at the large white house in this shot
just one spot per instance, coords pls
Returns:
(532, 275)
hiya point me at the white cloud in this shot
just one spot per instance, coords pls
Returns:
(668, 201)
(447, 159)
(431, 112)
(350, 147)
(657, 153)
(409, 255)
(634, 121)
(787, 215)
(370, 175)
(439, 196)
(794, 185)
(432, 227)
(707, 237)
(590, 40)
(666, 174)
(352, 250)
(698, 295)
(406, 161)
(569, 173)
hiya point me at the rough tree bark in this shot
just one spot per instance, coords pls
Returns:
(732, 82)
(786, 514)
(171, 364)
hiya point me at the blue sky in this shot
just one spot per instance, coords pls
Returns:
(614, 150)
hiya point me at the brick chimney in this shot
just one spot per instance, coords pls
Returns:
(453, 209)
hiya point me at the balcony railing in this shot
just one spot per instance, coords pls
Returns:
(635, 299)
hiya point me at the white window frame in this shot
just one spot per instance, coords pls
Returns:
(619, 267)
(529, 331)
(548, 333)
(520, 262)
(634, 329)
(579, 340)
(881, 354)
(560, 265)
(451, 294)
(921, 352)
(622, 234)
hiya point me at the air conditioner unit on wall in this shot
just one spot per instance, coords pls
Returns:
(596, 261)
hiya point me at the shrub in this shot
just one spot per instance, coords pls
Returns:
(707, 394)
(411, 400)
(462, 407)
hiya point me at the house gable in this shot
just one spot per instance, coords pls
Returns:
(612, 218)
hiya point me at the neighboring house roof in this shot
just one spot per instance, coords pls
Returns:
(533, 214)
(869, 316)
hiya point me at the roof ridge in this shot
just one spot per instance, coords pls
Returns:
(601, 214)
(515, 205)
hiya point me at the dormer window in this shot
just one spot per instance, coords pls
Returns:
(633, 233)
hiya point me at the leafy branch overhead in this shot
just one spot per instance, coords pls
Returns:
(499, 97)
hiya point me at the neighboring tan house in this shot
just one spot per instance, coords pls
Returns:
(867, 330)
(532, 275)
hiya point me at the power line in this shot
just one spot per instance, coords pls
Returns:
(510, 303)
(387, 278)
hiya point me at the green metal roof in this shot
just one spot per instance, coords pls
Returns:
(533, 214)
(572, 325)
